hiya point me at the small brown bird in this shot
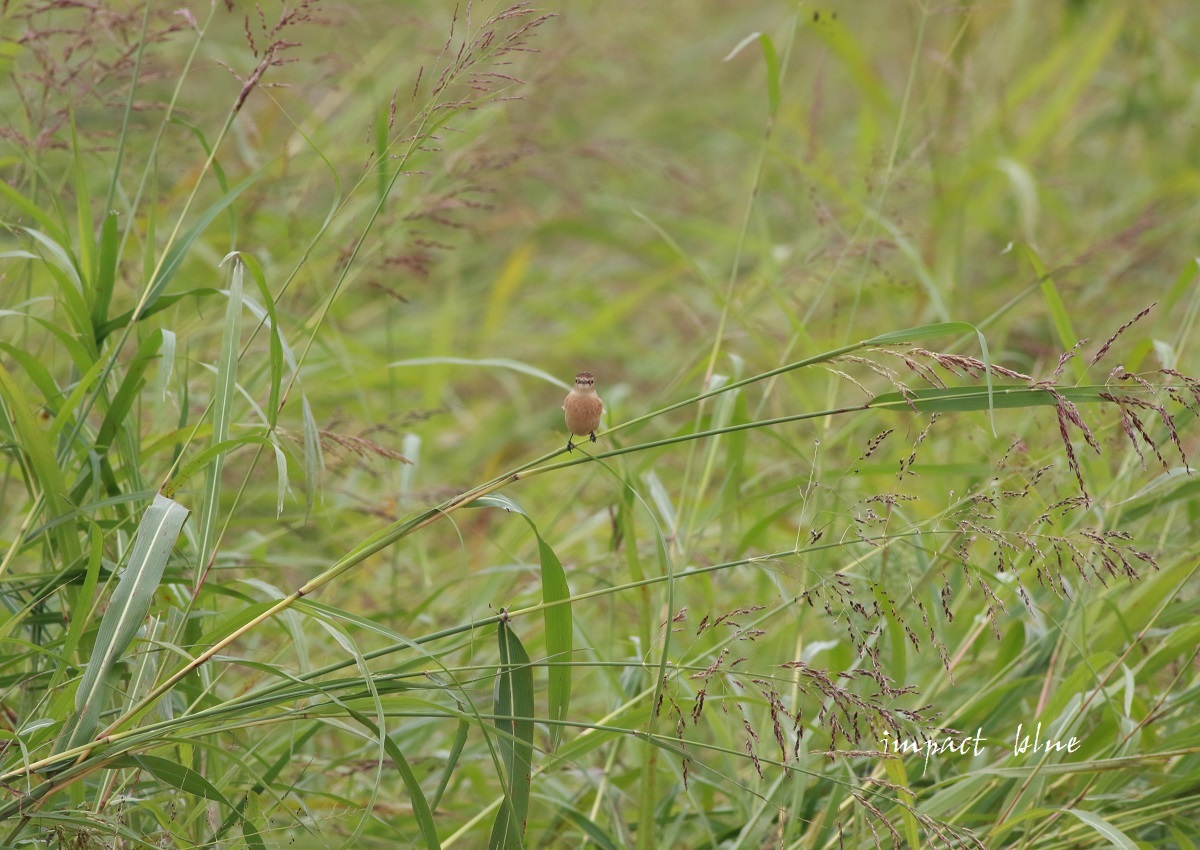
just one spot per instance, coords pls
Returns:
(583, 408)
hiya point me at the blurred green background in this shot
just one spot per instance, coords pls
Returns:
(457, 207)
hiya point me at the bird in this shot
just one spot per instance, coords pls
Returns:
(583, 408)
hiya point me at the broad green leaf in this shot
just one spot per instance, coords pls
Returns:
(514, 719)
(557, 618)
(156, 536)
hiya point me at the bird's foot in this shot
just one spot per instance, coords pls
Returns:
(593, 436)
(570, 445)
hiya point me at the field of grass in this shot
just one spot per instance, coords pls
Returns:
(888, 538)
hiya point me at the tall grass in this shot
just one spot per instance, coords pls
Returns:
(888, 537)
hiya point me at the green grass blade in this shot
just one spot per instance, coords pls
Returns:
(41, 467)
(589, 828)
(36, 372)
(33, 211)
(558, 637)
(65, 270)
(162, 303)
(190, 782)
(275, 385)
(83, 207)
(82, 609)
(456, 748)
(491, 362)
(514, 718)
(314, 458)
(1114, 836)
(923, 332)
(178, 252)
(963, 399)
(209, 455)
(106, 273)
(1175, 485)
(156, 536)
(224, 391)
(557, 618)
(421, 809)
(127, 394)
(771, 58)
(1067, 337)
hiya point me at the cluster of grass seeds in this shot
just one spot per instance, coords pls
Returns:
(998, 536)
(76, 57)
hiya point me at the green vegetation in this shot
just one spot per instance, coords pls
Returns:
(888, 538)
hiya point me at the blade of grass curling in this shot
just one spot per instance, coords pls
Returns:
(62, 267)
(32, 211)
(189, 782)
(31, 363)
(490, 362)
(557, 619)
(156, 536)
(421, 810)
(1115, 837)
(514, 719)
